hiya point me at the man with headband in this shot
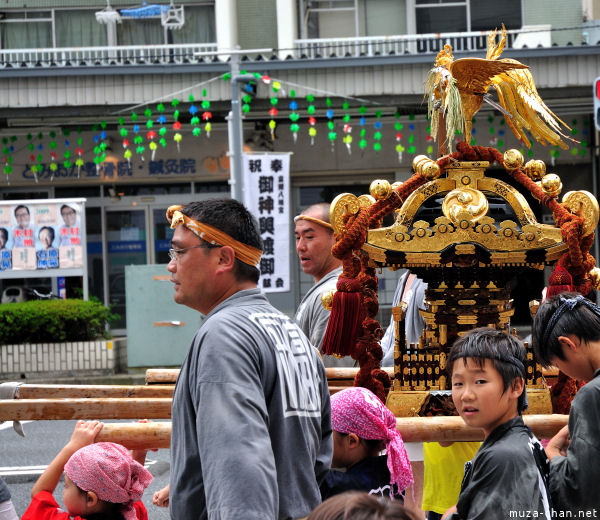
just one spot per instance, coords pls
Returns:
(566, 334)
(251, 435)
(509, 475)
(314, 240)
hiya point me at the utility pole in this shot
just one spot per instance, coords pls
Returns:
(234, 124)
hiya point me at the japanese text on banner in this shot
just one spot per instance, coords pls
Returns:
(266, 183)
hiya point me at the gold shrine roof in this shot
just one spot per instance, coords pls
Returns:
(466, 213)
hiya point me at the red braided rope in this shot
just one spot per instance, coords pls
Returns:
(577, 260)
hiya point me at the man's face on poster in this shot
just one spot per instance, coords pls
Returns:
(23, 218)
(46, 238)
(69, 216)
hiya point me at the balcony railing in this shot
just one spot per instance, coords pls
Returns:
(529, 36)
(108, 56)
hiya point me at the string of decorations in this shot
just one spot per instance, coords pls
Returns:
(170, 126)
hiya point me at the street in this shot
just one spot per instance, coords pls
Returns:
(23, 459)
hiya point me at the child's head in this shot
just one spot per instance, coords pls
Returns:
(487, 368)
(356, 505)
(562, 324)
(103, 477)
(362, 427)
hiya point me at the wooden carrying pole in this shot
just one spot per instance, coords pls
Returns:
(104, 408)
(137, 436)
(33, 391)
(334, 375)
(154, 435)
(169, 375)
(161, 375)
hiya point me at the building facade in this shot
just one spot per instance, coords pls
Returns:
(84, 83)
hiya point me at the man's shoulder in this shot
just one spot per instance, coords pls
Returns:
(237, 314)
(329, 281)
(332, 275)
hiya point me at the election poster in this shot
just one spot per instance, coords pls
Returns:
(266, 179)
(40, 235)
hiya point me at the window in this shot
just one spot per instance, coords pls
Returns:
(329, 18)
(487, 14)
(26, 29)
(79, 28)
(199, 27)
(437, 16)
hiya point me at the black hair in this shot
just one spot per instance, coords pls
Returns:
(580, 318)
(112, 513)
(110, 510)
(4, 233)
(373, 445)
(359, 505)
(21, 206)
(49, 229)
(66, 206)
(506, 353)
(231, 217)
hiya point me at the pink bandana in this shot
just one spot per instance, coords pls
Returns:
(108, 470)
(359, 411)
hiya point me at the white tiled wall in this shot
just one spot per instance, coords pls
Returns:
(33, 359)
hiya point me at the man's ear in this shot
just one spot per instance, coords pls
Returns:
(569, 342)
(226, 257)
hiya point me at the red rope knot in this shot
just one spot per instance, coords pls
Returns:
(354, 235)
(346, 284)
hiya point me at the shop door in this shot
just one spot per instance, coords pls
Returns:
(126, 245)
(162, 234)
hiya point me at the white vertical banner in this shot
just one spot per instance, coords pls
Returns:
(266, 181)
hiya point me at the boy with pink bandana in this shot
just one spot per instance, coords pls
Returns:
(362, 427)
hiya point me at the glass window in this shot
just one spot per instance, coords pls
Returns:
(441, 19)
(79, 28)
(93, 232)
(28, 33)
(212, 187)
(65, 192)
(132, 190)
(140, 32)
(428, 2)
(25, 195)
(199, 26)
(28, 15)
(162, 236)
(436, 16)
(488, 14)
(126, 243)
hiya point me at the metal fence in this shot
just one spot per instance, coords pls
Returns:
(107, 56)
(534, 36)
(389, 45)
